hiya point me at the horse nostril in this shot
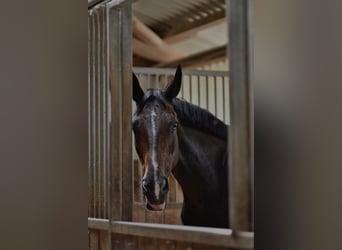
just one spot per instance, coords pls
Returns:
(164, 185)
(144, 186)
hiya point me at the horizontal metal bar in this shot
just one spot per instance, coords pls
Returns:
(110, 3)
(201, 235)
(93, 3)
(160, 71)
(120, 3)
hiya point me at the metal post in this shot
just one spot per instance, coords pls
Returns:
(120, 53)
(110, 149)
(241, 112)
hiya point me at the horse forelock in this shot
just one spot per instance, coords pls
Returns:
(151, 95)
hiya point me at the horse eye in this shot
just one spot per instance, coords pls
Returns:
(174, 125)
(135, 124)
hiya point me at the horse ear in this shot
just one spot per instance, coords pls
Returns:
(138, 93)
(173, 88)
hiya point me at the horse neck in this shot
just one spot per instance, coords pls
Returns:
(202, 162)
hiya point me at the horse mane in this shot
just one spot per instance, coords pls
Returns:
(189, 114)
(196, 117)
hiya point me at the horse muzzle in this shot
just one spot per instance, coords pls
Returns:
(155, 193)
(155, 207)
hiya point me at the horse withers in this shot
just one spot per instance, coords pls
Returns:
(174, 136)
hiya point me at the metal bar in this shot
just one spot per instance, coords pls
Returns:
(156, 82)
(110, 3)
(126, 64)
(149, 81)
(108, 128)
(104, 111)
(223, 99)
(190, 88)
(89, 116)
(250, 25)
(140, 169)
(202, 235)
(241, 111)
(93, 3)
(198, 90)
(165, 80)
(207, 91)
(215, 94)
(107, 79)
(99, 113)
(93, 115)
(116, 146)
(171, 71)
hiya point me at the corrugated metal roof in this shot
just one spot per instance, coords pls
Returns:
(206, 39)
(168, 18)
(178, 22)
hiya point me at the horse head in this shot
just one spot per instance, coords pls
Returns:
(155, 127)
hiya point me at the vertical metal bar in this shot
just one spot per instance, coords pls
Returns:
(121, 102)
(224, 99)
(198, 91)
(104, 112)
(156, 82)
(165, 80)
(89, 116)
(240, 130)
(190, 88)
(126, 62)
(115, 144)
(148, 80)
(97, 117)
(108, 124)
(108, 115)
(99, 114)
(207, 91)
(215, 95)
(93, 114)
(140, 170)
(250, 25)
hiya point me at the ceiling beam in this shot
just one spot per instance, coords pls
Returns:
(193, 32)
(149, 45)
(203, 15)
(198, 59)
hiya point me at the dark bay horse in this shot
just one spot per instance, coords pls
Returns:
(172, 135)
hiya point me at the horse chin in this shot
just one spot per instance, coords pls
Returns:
(155, 207)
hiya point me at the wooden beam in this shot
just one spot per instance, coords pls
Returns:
(150, 46)
(199, 59)
(144, 34)
(192, 32)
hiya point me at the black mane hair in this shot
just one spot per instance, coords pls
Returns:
(189, 114)
(196, 117)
